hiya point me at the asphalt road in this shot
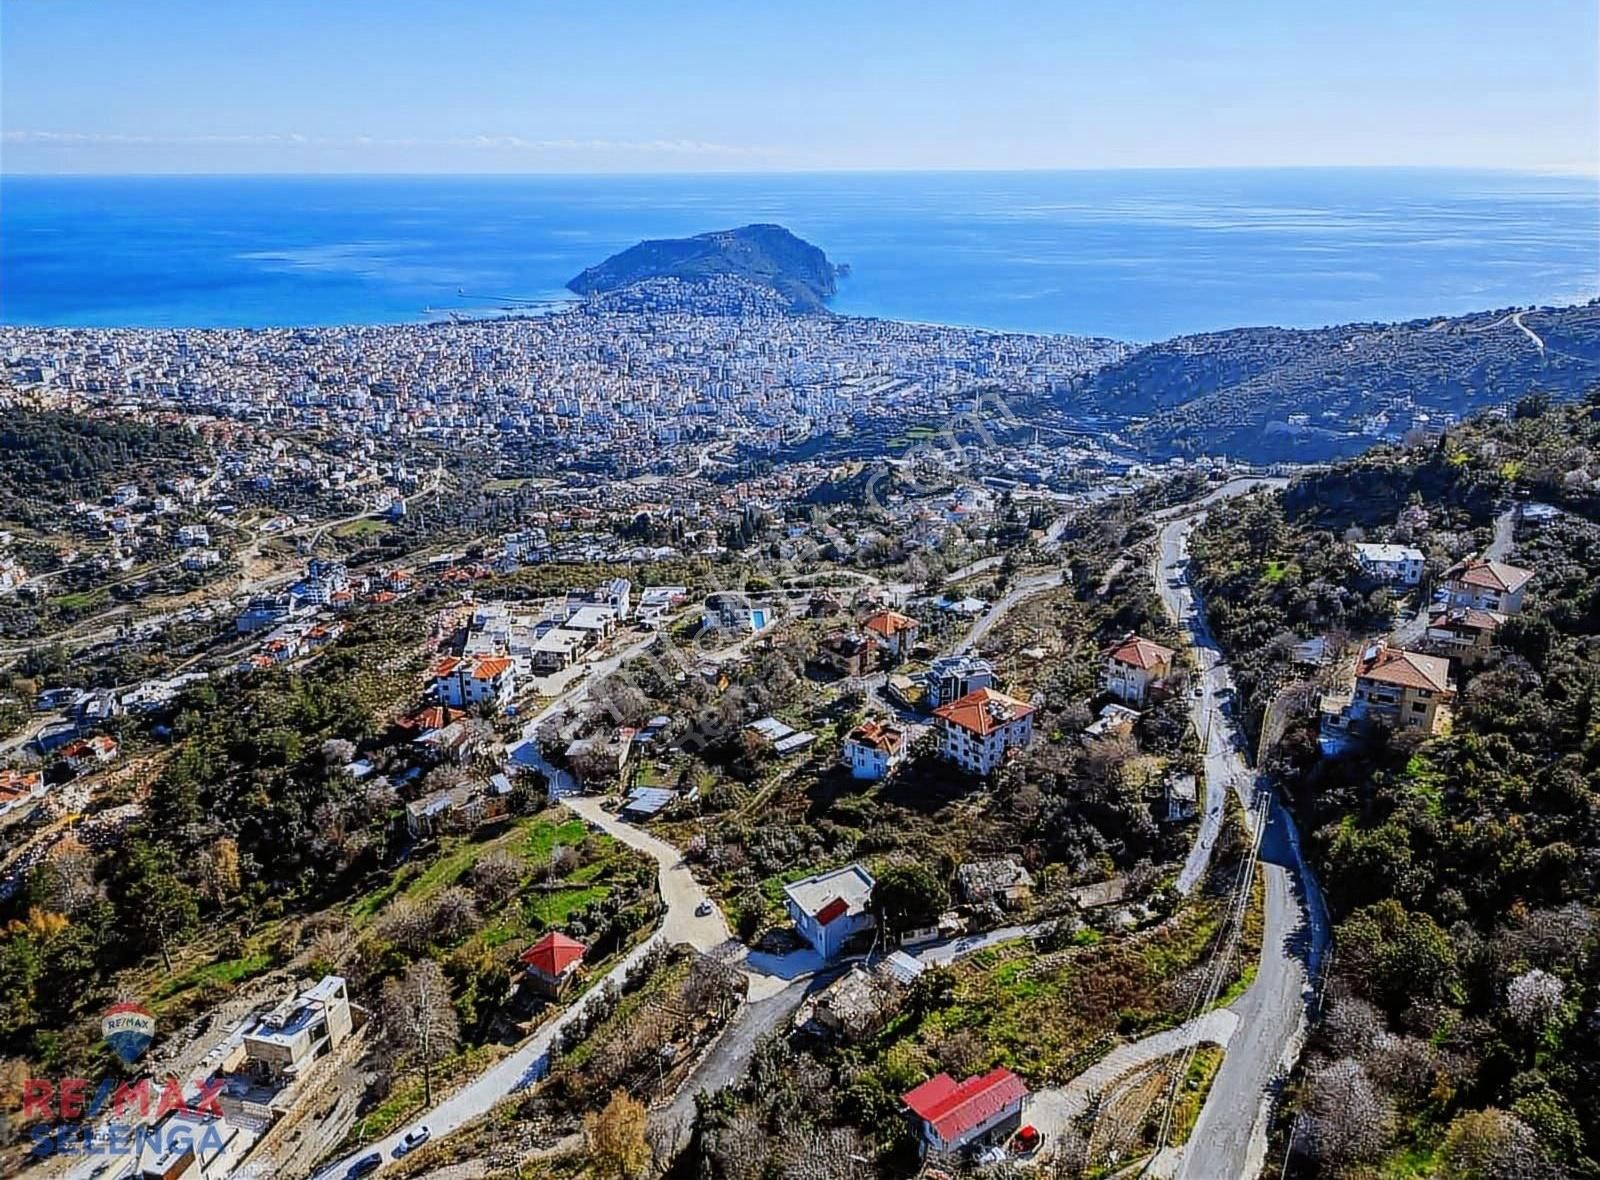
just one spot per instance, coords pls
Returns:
(521, 1069)
(1023, 588)
(730, 1056)
(1230, 1137)
(1221, 740)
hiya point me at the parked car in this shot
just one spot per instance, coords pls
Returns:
(366, 1165)
(412, 1140)
(704, 908)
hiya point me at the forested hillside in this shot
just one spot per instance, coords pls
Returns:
(1275, 393)
(54, 456)
(1460, 1023)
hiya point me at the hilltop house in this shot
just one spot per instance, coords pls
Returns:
(823, 603)
(854, 1006)
(450, 809)
(1180, 797)
(426, 719)
(1002, 882)
(552, 963)
(848, 654)
(599, 759)
(1462, 632)
(456, 742)
(556, 649)
(874, 749)
(954, 1116)
(323, 579)
(1133, 667)
(783, 739)
(1404, 690)
(17, 787)
(1486, 585)
(1397, 564)
(466, 684)
(1114, 721)
(87, 753)
(832, 908)
(595, 622)
(196, 560)
(285, 1041)
(615, 595)
(896, 632)
(729, 611)
(976, 730)
(656, 602)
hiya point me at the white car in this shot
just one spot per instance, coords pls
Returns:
(703, 910)
(412, 1140)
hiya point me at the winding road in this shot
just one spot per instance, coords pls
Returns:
(1230, 1137)
(1262, 1030)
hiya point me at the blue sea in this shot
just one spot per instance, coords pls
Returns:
(1139, 255)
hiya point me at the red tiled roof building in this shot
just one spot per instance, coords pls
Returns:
(954, 1114)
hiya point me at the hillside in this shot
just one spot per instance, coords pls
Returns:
(1241, 392)
(52, 458)
(1458, 1027)
(767, 255)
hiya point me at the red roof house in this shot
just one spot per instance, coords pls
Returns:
(552, 962)
(955, 1114)
(898, 632)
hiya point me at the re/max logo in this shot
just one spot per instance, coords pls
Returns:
(80, 1098)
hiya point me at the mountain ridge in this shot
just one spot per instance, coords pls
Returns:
(1271, 394)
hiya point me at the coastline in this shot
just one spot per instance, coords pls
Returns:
(1132, 256)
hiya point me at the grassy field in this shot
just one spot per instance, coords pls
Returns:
(538, 904)
(364, 528)
(82, 600)
(225, 972)
(1193, 1089)
(1040, 1018)
(532, 838)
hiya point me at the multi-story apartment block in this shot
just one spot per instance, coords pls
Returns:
(466, 684)
(977, 731)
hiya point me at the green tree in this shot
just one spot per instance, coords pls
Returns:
(1399, 956)
(19, 975)
(909, 895)
(153, 904)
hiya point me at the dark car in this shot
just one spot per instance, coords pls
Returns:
(366, 1165)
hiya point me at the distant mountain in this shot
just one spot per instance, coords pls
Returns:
(767, 255)
(1274, 393)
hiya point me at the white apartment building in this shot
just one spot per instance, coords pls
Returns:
(976, 731)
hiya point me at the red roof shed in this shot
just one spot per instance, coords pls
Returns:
(554, 954)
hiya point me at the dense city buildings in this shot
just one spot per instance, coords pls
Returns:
(636, 383)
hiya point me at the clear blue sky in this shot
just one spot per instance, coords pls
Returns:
(687, 85)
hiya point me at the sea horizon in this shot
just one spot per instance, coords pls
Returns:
(1135, 254)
